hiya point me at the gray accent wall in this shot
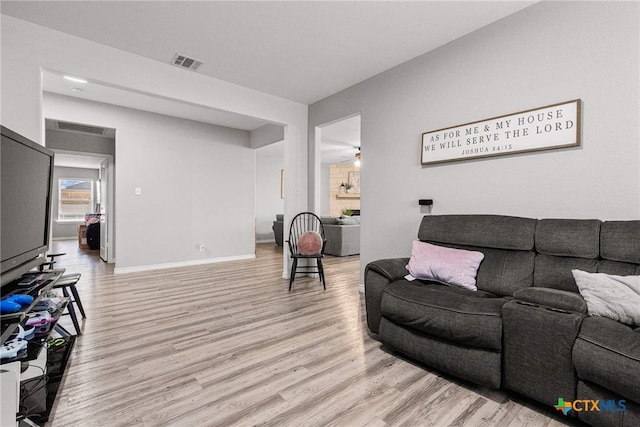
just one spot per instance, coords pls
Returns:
(548, 53)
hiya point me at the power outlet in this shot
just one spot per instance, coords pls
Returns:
(201, 247)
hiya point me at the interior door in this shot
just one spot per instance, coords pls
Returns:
(104, 202)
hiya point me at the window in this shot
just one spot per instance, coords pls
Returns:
(75, 199)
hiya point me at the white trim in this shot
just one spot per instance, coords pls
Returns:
(361, 288)
(140, 268)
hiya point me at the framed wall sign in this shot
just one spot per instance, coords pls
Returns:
(354, 180)
(544, 128)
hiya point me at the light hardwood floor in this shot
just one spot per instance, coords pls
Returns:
(227, 345)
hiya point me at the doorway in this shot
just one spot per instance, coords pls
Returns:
(338, 163)
(83, 183)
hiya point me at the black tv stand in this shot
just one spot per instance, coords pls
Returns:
(38, 372)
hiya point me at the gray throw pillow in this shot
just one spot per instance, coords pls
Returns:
(614, 297)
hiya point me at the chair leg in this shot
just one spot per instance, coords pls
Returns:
(321, 273)
(292, 276)
(76, 298)
(72, 312)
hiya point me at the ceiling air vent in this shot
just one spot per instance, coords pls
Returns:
(75, 127)
(184, 61)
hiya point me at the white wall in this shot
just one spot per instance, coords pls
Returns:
(325, 189)
(550, 52)
(268, 201)
(197, 183)
(28, 48)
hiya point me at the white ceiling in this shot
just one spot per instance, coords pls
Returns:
(299, 50)
(340, 141)
(55, 82)
(303, 51)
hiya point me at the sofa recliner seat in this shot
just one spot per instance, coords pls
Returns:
(606, 353)
(466, 342)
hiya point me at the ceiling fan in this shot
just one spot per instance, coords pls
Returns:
(355, 159)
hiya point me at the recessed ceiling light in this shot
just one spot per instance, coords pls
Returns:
(75, 79)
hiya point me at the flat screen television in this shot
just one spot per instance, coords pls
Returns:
(26, 183)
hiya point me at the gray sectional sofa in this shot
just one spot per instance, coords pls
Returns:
(526, 328)
(342, 235)
(278, 229)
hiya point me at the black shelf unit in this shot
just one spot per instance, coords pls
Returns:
(38, 393)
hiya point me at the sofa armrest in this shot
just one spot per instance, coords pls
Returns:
(392, 268)
(553, 298)
(377, 275)
(342, 240)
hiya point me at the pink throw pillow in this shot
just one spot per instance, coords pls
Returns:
(450, 266)
(310, 243)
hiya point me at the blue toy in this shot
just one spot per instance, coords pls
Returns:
(14, 303)
(22, 299)
(7, 306)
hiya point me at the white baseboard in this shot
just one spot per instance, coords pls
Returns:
(361, 288)
(266, 241)
(65, 238)
(141, 268)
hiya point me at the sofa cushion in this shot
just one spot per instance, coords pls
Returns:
(450, 266)
(329, 220)
(506, 242)
(454, 314)
(490, 231)
(619, 268)
(608, 353)
(611, 296)
(555, 271)
(349, 220)
(579, 238)
(564, 245)
(479, 365)
(552, 298)
(620, 241)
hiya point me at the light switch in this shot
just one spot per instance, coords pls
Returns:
(138, 191)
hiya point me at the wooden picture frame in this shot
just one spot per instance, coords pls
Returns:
(282, 183)
(545, 128)
(354, 181)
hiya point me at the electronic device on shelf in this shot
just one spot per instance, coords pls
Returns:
(15, 344)
(12, 348)
(26, 181)
(28, 280)
(39, 318)
(19, 332)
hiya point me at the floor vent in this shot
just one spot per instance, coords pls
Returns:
(75, 127)
(186, 62)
